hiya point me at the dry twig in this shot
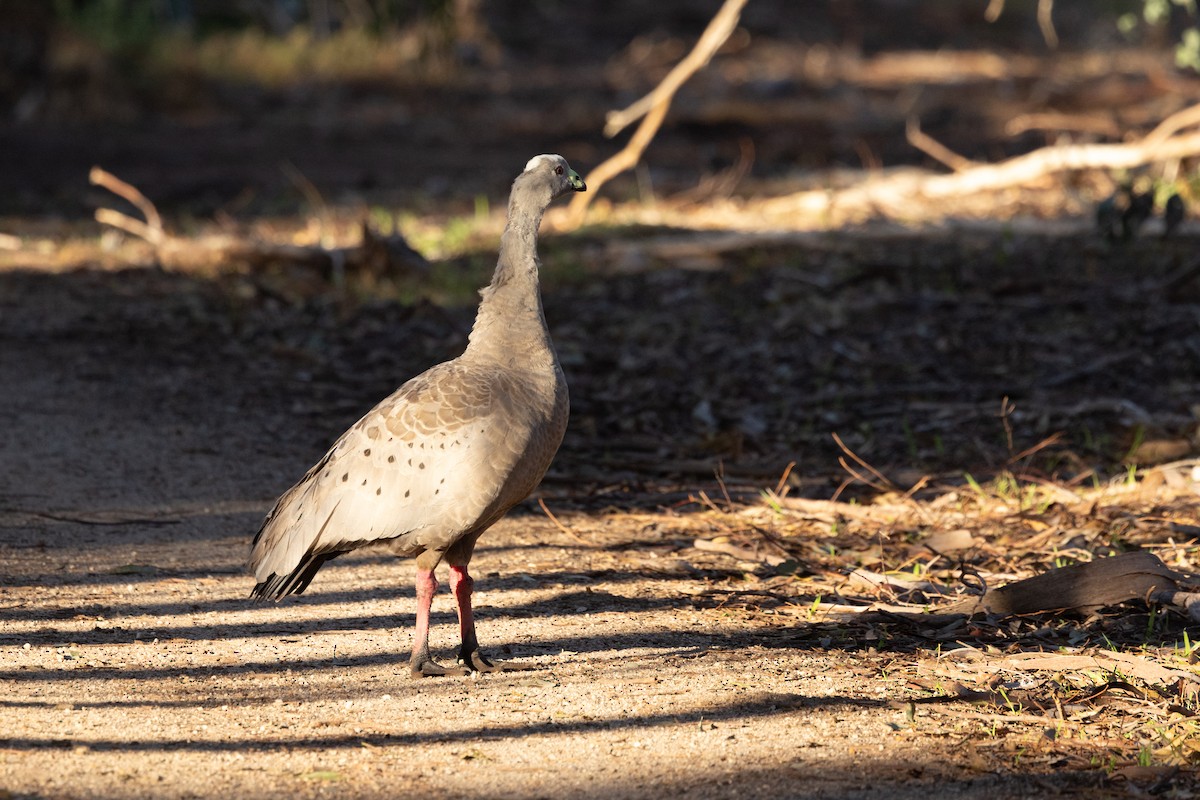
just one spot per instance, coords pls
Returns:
(151, 230)
(883, 484)
(719, 29)
(1045, 18)
(935, 149)
(1180, 120)
(653, 107)
(559, 525)
(895, 192)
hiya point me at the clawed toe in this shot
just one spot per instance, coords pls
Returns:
(430, 668)
(476, 662)
(472, 663)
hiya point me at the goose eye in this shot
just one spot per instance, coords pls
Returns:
(558, 170)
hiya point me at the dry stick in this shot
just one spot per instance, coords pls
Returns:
(887, 483)
(935, 149)
(1045, 18)
(115, 219)
(862, 463)
(1006, 409)
(782, 485)
(1184, 118)
(558, 524)
(1085, 122)
(615, 165)
(654, 108)
(1053, 438)
(879, 487)
(720, 27)
(921, 483)
(705, 500)
(846, 483)
(151, 230)
(719, 473)
(898, 190)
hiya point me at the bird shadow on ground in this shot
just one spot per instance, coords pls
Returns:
(666, 644)
(762, 705)
(560, 604)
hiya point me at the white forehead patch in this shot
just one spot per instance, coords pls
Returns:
(533, 162)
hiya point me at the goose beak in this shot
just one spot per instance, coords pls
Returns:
(576, 182)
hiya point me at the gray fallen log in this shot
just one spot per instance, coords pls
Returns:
(1083, 587)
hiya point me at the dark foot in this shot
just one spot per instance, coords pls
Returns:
(430, 668)
(477, 663)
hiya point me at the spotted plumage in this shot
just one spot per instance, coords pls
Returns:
(434, 465)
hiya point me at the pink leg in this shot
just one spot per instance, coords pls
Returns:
(421, 663)
(462, 584)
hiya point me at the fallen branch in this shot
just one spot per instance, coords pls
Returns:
(883, 485)
(1178, 121)
(895, 192)
(115, 219)
(719, 29)
(1088, 122)
(653, 107)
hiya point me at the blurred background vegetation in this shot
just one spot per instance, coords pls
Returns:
(161, 49)
(362, 95)
(288, 123)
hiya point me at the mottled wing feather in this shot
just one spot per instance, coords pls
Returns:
(421, 468)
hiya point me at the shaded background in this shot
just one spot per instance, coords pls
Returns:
(198, 103)
(294, 122)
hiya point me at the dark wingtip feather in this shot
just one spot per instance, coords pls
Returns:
(276, 587)
(265, 590)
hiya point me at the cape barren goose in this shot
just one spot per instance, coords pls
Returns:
(434, 465)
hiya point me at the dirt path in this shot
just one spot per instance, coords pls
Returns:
(148, 423)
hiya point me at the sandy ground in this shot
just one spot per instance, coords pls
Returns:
(142, 443)
(118, 684)
(128, 686)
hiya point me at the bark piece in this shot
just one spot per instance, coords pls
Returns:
(1104, 582)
